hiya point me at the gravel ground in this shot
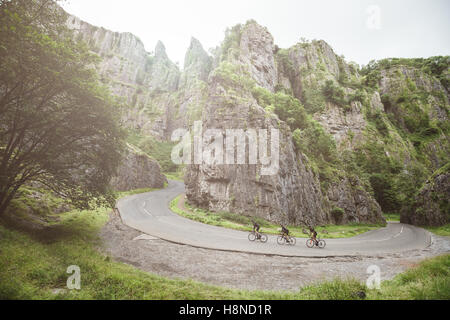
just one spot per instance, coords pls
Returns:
(248, 271)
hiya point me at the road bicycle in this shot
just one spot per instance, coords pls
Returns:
(286, 239)
(319, 243)
(253, 236)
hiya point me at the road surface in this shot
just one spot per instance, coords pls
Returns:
(150, 214)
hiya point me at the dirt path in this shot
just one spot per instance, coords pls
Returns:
(248, 271)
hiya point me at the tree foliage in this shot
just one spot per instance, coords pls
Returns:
(58, 126)
(334, 93)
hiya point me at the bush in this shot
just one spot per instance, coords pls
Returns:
(316, 142)
(313, 99)
(377, 119)
(337, 213)
(359, 96)
(233, 76)
(286, 107)
(334, 94)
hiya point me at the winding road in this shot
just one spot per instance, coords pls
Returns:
(150, 214)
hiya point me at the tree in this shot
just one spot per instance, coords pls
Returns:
(58, 125)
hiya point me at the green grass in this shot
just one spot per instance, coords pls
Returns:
(429, 280)
(392, 216)
(244, 223)
(123, 194)
(156, 149)
(34, 264)
(440, 231)
(178, 175)
(32, 268)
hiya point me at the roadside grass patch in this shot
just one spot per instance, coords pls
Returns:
(337, 289)
(178, 175)
(244, 223)
(440, 231)
(392, 216)
(123, 194)
(430, 280)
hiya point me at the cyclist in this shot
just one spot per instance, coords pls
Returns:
(313, 234)
(256, 228)
(284, 233)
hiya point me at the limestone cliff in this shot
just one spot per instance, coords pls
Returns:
(138, 171)
(294, 194)
(430, 207)
(352, 139)
(197, 65)
(133, 74)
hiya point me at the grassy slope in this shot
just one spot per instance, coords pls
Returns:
(243, 223)
(32, 266)
(441, 231)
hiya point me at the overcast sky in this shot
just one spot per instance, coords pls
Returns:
(361, 30)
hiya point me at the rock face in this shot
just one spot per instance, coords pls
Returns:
(303, 69)
(257, 53)
(395, 80)
(164, 74)
(366, 124)
(292, 195)
(138, 171)
(358, 205)
(133, 74)
(431, 206)
(415, 100)
(197, 65)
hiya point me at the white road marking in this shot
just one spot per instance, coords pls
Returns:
(147, 212)
(398, 233)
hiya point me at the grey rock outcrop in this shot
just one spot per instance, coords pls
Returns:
(394, 81)
(162, 99)
(431, 205)
(164, 74)
(292, 195)
(133, 74)
(257, 53)
(138, 171)
(358, 205)
(197, 65)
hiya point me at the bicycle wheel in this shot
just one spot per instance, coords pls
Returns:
(280, 240)
(309, 243)
(252, 236)
(292, 241)
(322, 244)
(263, 238)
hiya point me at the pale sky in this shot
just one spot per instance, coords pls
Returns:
(361, 30)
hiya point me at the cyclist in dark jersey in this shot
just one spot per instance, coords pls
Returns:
(256, 228)
(284, 232)
(313, 235)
